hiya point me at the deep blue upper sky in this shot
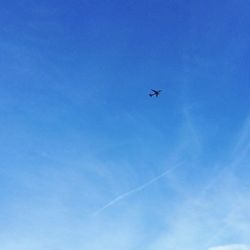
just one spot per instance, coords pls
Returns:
(89, 160)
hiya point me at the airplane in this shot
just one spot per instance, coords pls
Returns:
(155, 92)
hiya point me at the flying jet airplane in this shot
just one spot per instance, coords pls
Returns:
(154, 92)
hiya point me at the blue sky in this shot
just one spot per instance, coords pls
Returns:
(90, 161)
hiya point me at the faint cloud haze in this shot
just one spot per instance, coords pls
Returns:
(231, 247)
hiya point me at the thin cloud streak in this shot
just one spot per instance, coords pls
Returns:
(243, 135)
(243, 145)
(239, 152)
(135, 190)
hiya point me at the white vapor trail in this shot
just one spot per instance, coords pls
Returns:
(135, 190)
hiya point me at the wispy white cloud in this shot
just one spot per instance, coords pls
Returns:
(217, 212)
(231, 247)
(135, 190)
(242, 145)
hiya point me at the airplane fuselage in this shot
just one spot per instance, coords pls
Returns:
(155, 93)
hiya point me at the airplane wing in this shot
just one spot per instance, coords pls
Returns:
(154, 90)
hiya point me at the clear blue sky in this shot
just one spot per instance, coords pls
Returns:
(89, 161)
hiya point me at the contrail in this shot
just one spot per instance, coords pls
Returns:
(135, 190)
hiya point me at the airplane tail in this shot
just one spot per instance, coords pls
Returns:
(150, 95)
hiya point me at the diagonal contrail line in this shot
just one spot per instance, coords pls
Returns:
(135, 190)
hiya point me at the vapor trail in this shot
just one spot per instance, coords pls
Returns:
(135, 190)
